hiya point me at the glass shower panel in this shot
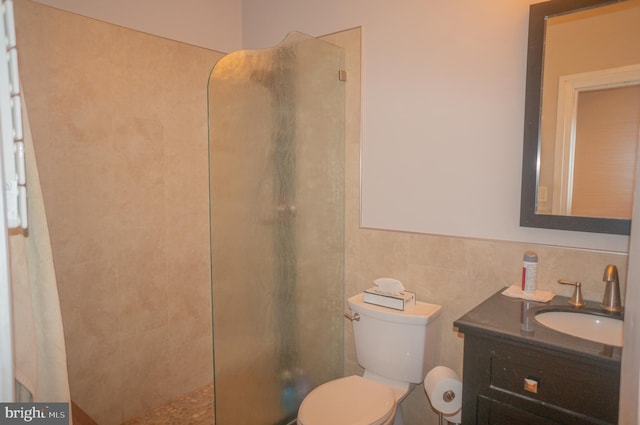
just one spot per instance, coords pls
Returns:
(276, 130)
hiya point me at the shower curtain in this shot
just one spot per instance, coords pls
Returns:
(40, 354)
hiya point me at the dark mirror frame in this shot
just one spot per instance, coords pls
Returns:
(538, 14)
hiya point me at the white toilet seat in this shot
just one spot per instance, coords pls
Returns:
(348, 401)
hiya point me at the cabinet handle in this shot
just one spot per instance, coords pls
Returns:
(531, 385)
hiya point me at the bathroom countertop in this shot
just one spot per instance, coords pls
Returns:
(513, 319)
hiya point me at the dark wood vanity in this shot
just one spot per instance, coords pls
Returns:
(517, 371)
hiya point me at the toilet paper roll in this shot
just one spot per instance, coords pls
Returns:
(444, 389)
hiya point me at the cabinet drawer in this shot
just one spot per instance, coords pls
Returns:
(492, 412)
(561, 383)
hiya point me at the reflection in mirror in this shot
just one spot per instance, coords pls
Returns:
(595, 144)
(580, 138)
(612, 115)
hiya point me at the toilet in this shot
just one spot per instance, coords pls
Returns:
(395, 348)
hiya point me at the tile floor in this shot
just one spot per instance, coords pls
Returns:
(194, 408)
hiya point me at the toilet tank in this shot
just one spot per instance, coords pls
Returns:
(398, 345)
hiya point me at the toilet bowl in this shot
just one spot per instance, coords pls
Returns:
(347, 401)
(395, 348)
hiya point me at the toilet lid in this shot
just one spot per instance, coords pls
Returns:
(348, 401)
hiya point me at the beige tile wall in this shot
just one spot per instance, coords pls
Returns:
(120, 130)
(111, 107)
(458, 274)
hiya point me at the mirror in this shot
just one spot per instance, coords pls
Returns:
(579, 139)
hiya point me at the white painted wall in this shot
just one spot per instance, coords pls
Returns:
(443, 87)
(443, 99)
(215, 24)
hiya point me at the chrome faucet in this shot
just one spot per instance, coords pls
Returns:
(611, 301)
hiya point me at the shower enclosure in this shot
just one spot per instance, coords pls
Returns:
(276, 152)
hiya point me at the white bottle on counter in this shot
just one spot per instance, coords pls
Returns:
(529, 273)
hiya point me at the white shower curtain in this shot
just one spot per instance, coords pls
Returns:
(40, 354)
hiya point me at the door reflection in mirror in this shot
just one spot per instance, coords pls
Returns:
(577, 44)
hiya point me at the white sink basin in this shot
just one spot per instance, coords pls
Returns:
(605, 330)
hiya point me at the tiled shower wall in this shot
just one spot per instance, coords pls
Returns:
(113, 112)
(120, 130)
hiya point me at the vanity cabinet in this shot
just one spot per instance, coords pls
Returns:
(512, 377)
(510, 383)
